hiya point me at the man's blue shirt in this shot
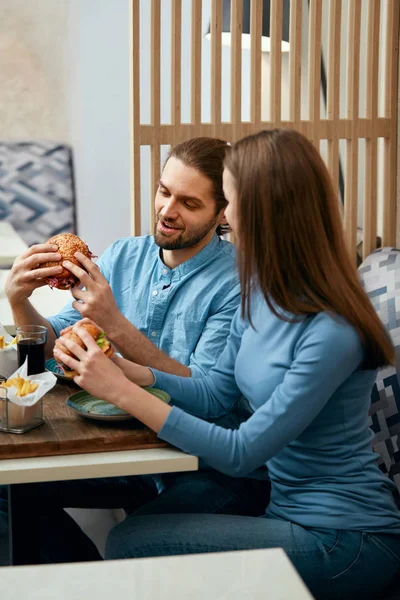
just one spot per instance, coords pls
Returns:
(186, 312)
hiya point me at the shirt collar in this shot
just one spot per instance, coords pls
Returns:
(189, 265)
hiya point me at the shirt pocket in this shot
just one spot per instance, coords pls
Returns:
(186, 334)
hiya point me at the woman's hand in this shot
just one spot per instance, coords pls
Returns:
(137, 373)
(101, 377)
(97, 374)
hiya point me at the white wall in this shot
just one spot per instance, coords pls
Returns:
(33, 70)
(98, 104)
(65, 75)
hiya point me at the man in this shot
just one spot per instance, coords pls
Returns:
(165, 301)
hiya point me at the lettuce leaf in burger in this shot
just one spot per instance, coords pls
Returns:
(97, 334)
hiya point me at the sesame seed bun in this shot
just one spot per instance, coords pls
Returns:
(68, 244)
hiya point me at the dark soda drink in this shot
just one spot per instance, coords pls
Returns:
(34, 350)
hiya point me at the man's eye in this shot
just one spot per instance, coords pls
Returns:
(164, 192)
(190, 205)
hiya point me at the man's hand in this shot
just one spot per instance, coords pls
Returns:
(96, 301)
(25, 277)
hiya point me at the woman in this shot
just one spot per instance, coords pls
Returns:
(303, 350)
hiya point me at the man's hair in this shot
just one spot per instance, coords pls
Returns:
(207, 156)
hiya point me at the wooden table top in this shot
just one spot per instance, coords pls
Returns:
(65, 432)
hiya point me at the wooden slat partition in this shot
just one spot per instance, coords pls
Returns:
(276, 62)
(314, 69)
(135, 121)
(352, 112)
(296, 7)
(371, 144)
(195, 93)
(256, 16)
(344, 19)
(215, 30)
(362, 128)
(333, 87)
(236, 68)
(155, 93)
(176, 25)
(390, 112)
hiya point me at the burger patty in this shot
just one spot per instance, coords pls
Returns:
(62, 284)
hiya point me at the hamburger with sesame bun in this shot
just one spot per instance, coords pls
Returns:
(97, 334)
(68, 244)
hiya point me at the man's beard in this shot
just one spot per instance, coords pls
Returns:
(183, 240)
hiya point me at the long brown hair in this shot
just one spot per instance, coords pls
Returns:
(291, 237)
(206, 155)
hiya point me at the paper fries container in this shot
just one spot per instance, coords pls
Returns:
(21, 414)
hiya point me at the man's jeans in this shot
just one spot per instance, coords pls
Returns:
(62, 540)
(335, 565)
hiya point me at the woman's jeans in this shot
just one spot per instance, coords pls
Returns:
(334, 564)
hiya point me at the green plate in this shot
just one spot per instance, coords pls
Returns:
(53, 366)
(93, 408)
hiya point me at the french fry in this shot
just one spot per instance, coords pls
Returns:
(24, 386)
(28, 387)
(4, 344)
(23, 389)
(18, 382)
(11, 382)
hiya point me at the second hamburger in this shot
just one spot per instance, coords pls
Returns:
(97, 334)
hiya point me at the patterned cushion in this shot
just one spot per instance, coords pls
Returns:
(380, 276)
(36, 189)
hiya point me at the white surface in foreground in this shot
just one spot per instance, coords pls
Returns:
(247, 575)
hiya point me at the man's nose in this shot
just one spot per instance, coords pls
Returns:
(170, 209)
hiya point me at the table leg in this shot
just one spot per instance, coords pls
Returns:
(24, 528)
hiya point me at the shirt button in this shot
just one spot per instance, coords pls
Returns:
(165, 272)
(155, 293)
(153, 333)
